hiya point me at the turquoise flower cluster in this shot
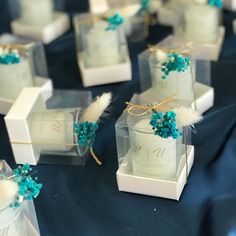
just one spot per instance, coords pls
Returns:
(85, 132)
(28, 187)
(164, 125)
(114, 22)
(176, 63)
(215, 3)
(10, 58)
(144, 6)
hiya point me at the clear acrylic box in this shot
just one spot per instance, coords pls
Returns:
(31, 71)
(149, 164)
(20, 221)
(44, 132)
(192, 85)
(102, 54)
(27, 22)
(205, 32)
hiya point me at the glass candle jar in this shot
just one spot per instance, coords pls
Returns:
(101, 46)
(32, 10)
(179, 83)
(14, 77)
(151, 155)
(52, 132)
(12, 222)
(201, 23)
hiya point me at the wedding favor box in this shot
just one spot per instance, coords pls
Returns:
(44, 132)
(192, 85)
(19, 221)
(102, 54)
(30, 71)
(205, 32)
(40, 20)
(149, 164)
(230, 5)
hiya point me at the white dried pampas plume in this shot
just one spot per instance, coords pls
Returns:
(8, 191)
(97, 108)
(186, 116)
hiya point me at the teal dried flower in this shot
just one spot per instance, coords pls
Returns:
(85, 132)
(215, 3)
(28, 187)
(114, 22)
(164, 125)
(10, 58)
(176, 63)
(144, 6)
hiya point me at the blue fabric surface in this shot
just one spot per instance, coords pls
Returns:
(85, 200)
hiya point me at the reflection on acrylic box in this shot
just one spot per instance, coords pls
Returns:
(58, 131)
(136, 15)
(189, 80)
(205, 32)
(229, 5)
(29, 22)
(102, 51)
(21, 65)
(153, 143)
(17, 212)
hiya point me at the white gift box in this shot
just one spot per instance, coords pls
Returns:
(98, 6)
(59, 25)
(29, 214)
(229, 5)
(150, 164)
(43, 132)
(104, 59)
(154, 187)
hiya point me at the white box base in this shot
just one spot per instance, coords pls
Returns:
(204, 97)
(105, 74)
(43, 83)
(206, 51)
(154, 187)
(229, 5)
(46, 34)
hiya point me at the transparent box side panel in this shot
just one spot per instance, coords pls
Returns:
(94, 41)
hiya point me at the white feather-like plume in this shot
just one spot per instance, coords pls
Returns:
(97, 108)
(186, 116)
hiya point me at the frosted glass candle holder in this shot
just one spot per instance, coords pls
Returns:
(148, 163)
(21, 221)
(31, 9)
(43, 132)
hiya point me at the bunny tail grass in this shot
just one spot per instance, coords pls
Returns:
(97, 108)
(186, 116)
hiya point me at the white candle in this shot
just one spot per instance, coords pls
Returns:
(102, 47)
(201, 23)
(14, 77)
(52, 131)
(36, 12)
(12, 222)
(152, 155)
(179, 83)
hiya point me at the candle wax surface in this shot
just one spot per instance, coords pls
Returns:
(151, 155)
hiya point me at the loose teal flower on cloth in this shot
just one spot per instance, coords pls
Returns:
(175, 62)
(215, 3)
(164, 125)
(144, 6)
(85, 132)
(10, 58)
(114, 22)
(28, 187)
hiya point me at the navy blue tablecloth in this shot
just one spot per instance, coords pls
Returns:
(85, 200)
